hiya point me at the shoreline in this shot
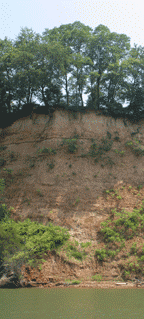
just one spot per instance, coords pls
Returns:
(96, 285)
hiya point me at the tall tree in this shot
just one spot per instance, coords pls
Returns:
(26, 73)
(3, 92)
(48, 80)
(6, 90)
(105, 50)
(119, 47)
(79, 35)
(132, 89)
(68, 36)
(97, 50)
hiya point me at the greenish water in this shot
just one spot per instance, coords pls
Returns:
(71, 303)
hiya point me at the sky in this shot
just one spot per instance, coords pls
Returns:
(122, 17)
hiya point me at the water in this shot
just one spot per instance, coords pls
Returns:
(71, 303)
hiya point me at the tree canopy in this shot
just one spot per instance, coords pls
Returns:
(101, 64)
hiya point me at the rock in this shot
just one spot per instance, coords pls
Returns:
(24, 283)
(6, 282)
(9, 281)
(121, 283)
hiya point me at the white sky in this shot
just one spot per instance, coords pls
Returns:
(122, 17)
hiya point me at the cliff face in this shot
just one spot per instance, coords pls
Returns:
(61, 170)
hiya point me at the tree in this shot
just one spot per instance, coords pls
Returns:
(79, 34)
(48, 79)
(132, 89)
(106, 49)
(25, 65)
(99, 62)
(6, 73)
(71, 36)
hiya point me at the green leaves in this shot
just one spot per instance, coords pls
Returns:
(99, 63)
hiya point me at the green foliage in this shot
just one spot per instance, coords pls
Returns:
(110, 234)
(10, 243)
(73, 282)
(2, 161)
(2, 148)
(72, 251)
(13, 155)
(124, 227)
(39, 193)
(97, 278)
(85, 245)
(4, 214)
(106, 146)
(77, 255)
(140, 186)
(116, 138)
(133, 248)
(59, 48)
(101, 254)
(51, 165)
(32, 238)
(2, 185)
(8, 170)
(25, 240)
(46, 150)
(72, 147)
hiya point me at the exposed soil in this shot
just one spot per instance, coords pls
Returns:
(72, 190)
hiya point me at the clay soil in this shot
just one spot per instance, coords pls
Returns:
(73, 191)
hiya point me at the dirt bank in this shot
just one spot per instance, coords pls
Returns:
(77, 174)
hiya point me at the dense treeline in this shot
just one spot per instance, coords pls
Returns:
(100, 63)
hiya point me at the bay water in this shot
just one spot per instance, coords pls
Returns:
(24, 303)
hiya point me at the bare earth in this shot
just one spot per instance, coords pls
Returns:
(73, 197)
